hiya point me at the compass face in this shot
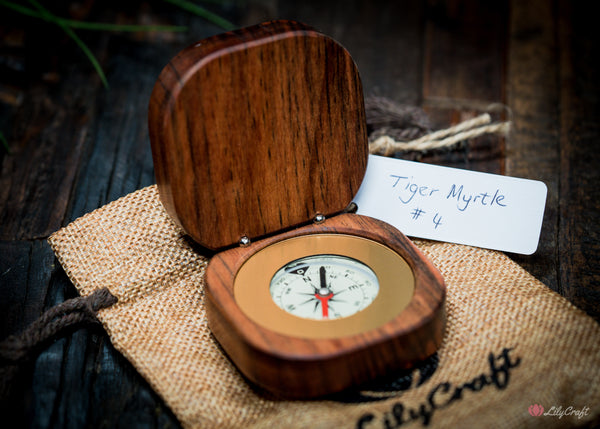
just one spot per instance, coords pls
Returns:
(318, 286)
(324, 287)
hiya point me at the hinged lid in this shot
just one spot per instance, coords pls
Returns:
(256, 131)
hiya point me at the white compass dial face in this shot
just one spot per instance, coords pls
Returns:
(324, 287)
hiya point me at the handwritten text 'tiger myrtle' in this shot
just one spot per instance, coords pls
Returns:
(410, 190)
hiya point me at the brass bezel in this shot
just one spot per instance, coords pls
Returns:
(251, 285)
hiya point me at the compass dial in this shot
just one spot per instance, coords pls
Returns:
(324, 287)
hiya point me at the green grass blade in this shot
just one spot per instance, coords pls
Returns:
(202, 12)
(19, 8)
(5, 143)
(101, 26)
(219, 2)
(67, 25)
(88, 53)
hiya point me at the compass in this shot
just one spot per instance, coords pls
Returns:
(259, 145)
(324, 287)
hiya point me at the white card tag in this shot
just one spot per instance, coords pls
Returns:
(458, 206)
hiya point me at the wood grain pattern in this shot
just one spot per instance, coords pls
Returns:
(463, 74)
(533, 147)
(554, 94)
(579, 237)
(257, 131)
(296, 367)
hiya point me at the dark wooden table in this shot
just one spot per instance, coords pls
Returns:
(75, 145)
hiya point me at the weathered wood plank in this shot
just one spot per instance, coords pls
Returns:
(384, 38)
(75, 146)
(81, 380)
(25, 269)
(532, 149)
(554, 99)
(464, 51)
(464, 62)
(46, 144)
(579, 210)
(117, 157)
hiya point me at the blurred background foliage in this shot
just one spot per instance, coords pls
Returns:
(41, 39)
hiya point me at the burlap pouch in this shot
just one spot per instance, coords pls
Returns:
(515, 354)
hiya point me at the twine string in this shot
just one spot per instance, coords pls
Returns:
(469, 129)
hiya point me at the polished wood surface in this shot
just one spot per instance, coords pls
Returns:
(299, 368)
(256, 131)
(74, 146)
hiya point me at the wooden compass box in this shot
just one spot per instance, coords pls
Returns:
(255, 134)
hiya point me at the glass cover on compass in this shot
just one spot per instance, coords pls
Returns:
(324, 287)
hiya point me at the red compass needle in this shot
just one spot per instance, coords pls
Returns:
(324, 303)
(324, 294)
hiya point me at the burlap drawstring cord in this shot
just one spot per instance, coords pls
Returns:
(16, 350)
(54, 321)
